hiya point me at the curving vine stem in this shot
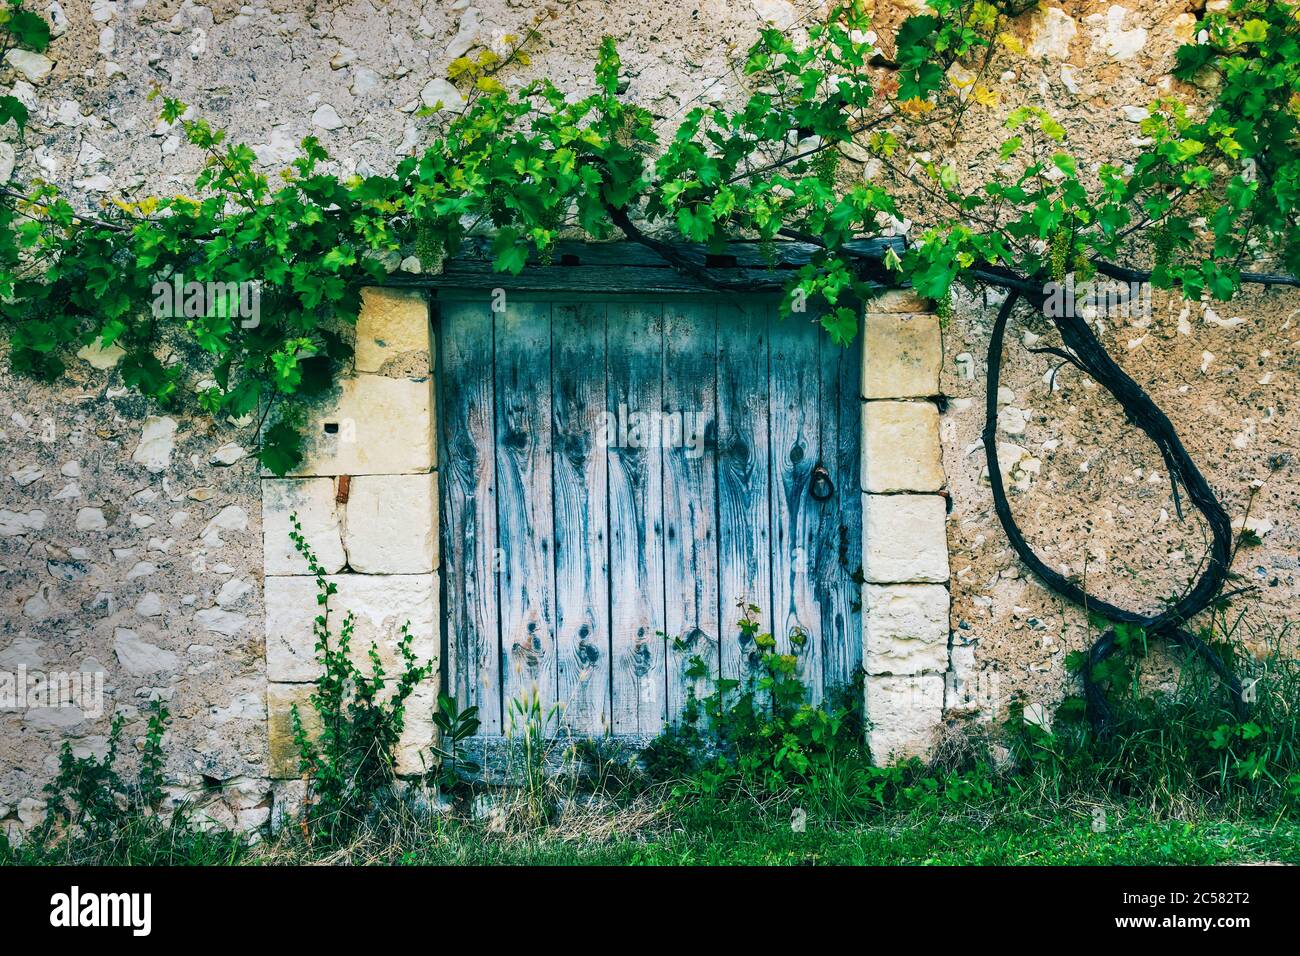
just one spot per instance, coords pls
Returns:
(1085, 352)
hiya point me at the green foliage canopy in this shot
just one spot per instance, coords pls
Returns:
(1213, 192)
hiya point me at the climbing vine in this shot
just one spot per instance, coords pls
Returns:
(1205, 205)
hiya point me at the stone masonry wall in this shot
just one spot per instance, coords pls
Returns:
(131, 541)
(130, 548)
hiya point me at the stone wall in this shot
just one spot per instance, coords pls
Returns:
(130, 547)
(1089, 490)
(131, 542)
(1093, 496)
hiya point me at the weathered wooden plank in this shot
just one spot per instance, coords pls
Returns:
(743, 253)
(690, 504)
(469, 508)
(563, 280)
(629, 266)
(838, 557)
(744, 508)
(524, 505)
(636, 342)
(581, 514)
(795, 451)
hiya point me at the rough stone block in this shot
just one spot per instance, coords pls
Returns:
(411, 755)
(904, 539)
(1051, 31)
(392, 524)
(290, 647)
(381, 604)
(900, 447)
(288, 800)
(280, 699)
(157, 442)
(418, 731)
(312, 499)
(902, 356)
(372, 425)
(393, 325)
(900, 300)
(904, 713)
(905, 628)
(137, 656)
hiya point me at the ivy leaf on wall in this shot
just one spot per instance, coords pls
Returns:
(281, 447)
(509, 254)
(29, 30)
(12, 108)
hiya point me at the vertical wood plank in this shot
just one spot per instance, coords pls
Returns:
(690, 498)
(524, 503)
(581, 514)
(795, 450)
(838, 559)
(469, 509)
(636, 341)
(744, 508)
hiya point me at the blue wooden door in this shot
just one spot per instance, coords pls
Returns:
(619, 475)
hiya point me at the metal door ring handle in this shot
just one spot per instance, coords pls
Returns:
(821, 487)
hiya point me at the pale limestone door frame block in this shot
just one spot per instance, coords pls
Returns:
(366, 495)
(905, 597)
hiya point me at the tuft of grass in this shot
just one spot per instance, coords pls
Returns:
(137, 840)
(1182, 751)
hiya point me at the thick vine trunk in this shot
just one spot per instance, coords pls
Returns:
(1085, 352)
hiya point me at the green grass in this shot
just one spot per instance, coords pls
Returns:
(1022, 840)
(735, 833)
